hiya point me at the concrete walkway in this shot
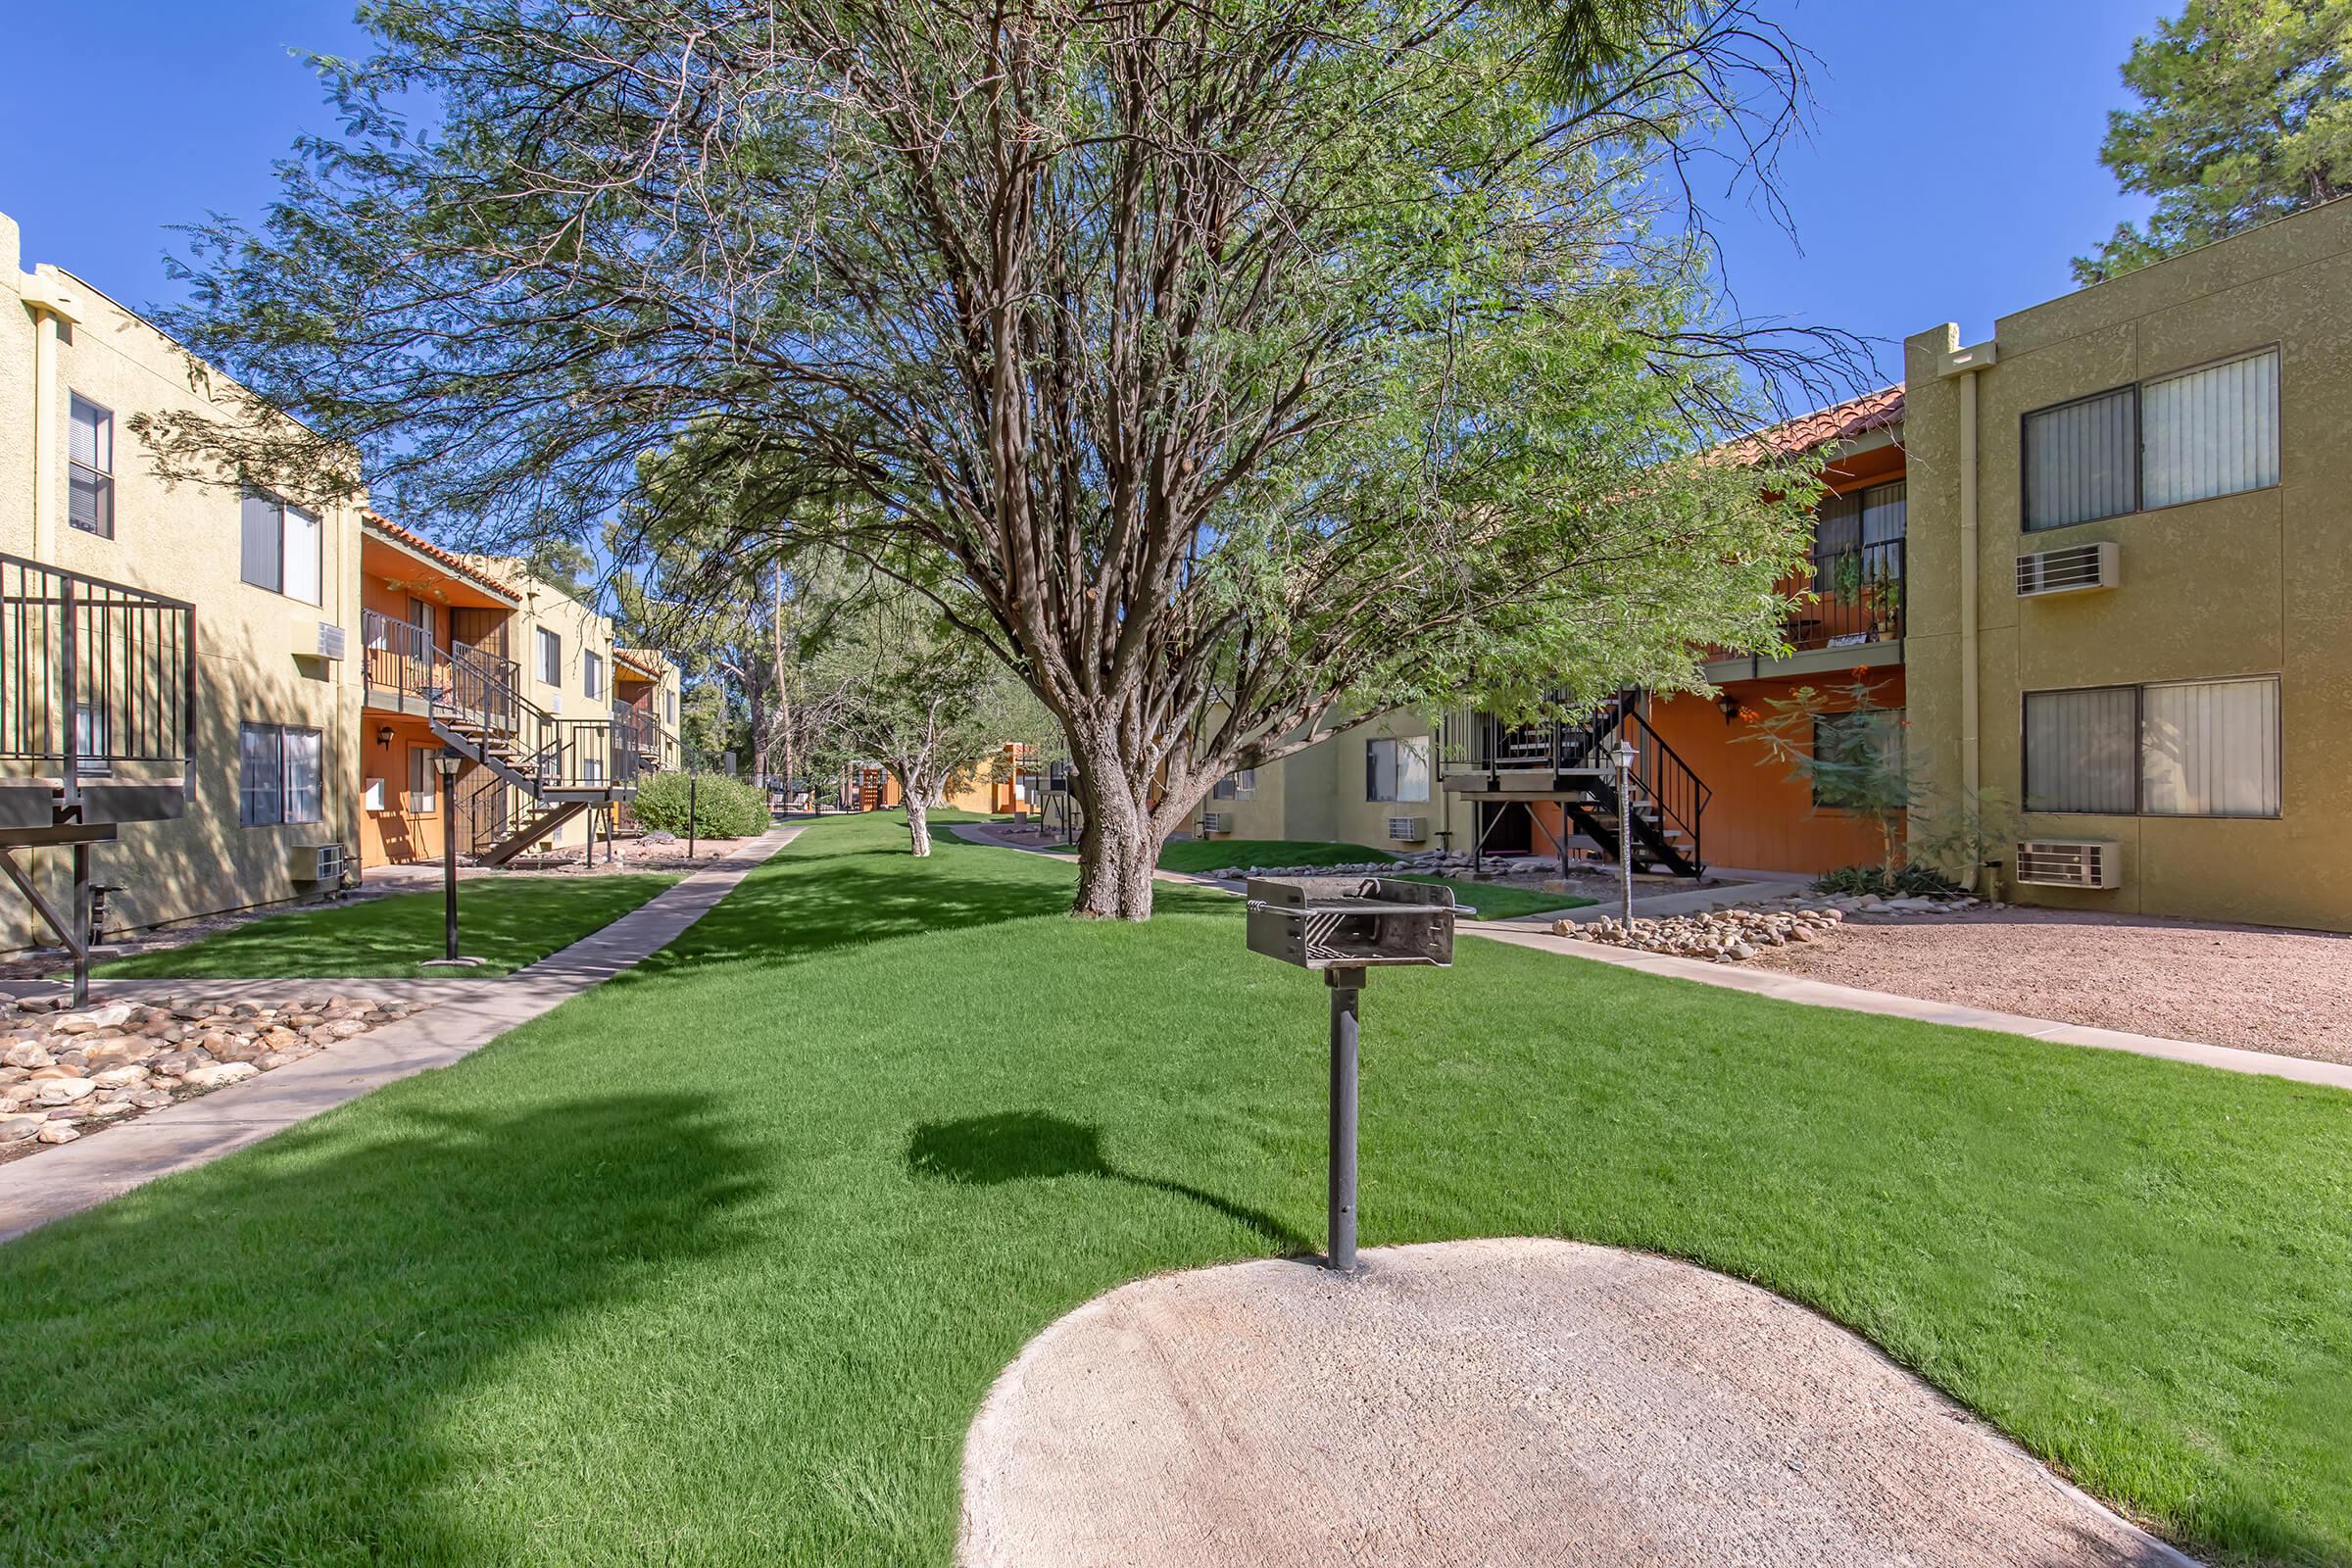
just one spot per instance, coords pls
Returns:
(1499, 1404)
(467, 1015)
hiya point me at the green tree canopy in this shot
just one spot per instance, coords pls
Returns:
(1211, 363)
(2245, 116)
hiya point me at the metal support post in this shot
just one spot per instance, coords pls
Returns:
(691, 778)
(81, 923)
(1347, 986)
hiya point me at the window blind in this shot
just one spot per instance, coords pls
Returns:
(2081, 749)
(2081, 460)
(2209, 749)
(2211, 432)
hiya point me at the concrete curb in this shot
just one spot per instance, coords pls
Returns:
(468, 1014)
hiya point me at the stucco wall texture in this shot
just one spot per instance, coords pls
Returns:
(2258, 584)
(256, 649)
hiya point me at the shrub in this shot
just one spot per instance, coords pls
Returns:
(723, 808)
(1905, 882)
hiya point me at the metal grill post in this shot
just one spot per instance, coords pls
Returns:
(1347, 986)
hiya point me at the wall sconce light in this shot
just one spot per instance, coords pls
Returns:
(383, 735)
(1728, 704)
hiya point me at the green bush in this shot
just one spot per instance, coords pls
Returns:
(723, 808)
(1907, 882)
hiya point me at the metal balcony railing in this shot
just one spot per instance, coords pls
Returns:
(93, 675)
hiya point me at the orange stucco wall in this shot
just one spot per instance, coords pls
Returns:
(397, 835)
(1760, 818)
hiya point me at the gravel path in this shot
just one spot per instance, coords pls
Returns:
(2288, 993)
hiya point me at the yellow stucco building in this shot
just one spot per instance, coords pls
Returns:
(254, 682)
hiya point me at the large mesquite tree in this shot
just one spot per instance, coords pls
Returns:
(1213, 362)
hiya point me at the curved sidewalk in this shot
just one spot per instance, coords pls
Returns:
(469, 1015)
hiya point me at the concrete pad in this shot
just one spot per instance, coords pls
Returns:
(1497, 1404)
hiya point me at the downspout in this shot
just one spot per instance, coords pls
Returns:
(1967, 363)
(48, 295)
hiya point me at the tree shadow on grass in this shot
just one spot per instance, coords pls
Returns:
(287, 1355)
(1017, 1146)
(808, 902)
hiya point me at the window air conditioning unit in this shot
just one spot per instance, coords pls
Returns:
(2069, 863)
(317, 863)
(2078, 569)
(330, 640)
(1408, 829)
(1217, 821)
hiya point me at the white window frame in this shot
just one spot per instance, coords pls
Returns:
(285, 792)
(591, 673)
(98, 475)
(550, 648)
(1398, 746)
(284, 583)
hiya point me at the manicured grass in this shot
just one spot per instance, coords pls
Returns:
(715, 1263)
(507, 923)
(1494, 901)
(1195, 855)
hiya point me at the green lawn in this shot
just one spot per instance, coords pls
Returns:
(1496, 903)
(507, 923)
(1195, 855)
(714, 1264)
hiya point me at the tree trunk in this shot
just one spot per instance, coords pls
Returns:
(919, 824)
(1119, 847)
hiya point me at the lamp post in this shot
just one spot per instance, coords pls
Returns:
(1625, 824)
(447, 764)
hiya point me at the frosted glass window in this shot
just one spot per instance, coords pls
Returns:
(2209, 749)
(2211, 432)
(2081, 749)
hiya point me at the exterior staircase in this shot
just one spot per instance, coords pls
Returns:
(535, 770)
(1573, 764)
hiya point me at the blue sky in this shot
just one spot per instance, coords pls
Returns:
(1952, 173)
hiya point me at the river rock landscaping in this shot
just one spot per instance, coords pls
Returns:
(65, 1073)
(1740, 932)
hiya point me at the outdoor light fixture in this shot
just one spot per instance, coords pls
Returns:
(383, 735)
(1344, 926)
(1727, 705)
(448, 762)
(1627, 756)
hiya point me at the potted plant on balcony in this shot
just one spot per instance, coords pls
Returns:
(1886, 605)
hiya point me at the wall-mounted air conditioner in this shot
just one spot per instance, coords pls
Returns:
(1217, 821)
(1408, 829)
(2069, 863)
(316, 862)
(331, 640)
(2075, 569)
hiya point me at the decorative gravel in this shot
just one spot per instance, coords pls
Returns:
(2260, 989)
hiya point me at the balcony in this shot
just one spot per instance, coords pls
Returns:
(1851, 617)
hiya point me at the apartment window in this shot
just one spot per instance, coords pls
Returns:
(591, 770)
(551, 658)
(2212, 431)
(91, 465)
(591, 673)
(1397, 770)
(2176, 748)
(91, 736)
(282, 546)
(1239, 785)
(670, 701)
(424, 780)
(1851, 748)
(421, 616)
(280, 774)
